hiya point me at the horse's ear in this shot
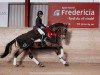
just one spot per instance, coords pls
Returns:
(66, 25)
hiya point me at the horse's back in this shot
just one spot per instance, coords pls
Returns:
(27, 38)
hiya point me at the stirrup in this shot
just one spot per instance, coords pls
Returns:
(43, 44)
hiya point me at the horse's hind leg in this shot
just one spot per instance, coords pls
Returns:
(22, 56)
(13, 51)
(60, 53)
(34, 59)
(19, 52)
(15, 58)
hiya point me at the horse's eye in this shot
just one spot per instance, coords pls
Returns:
(65, 30)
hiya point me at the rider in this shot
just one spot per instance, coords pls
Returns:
(40, 25)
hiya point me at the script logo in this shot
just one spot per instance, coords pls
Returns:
(56, 13)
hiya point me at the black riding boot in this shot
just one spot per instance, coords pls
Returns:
(42, 41)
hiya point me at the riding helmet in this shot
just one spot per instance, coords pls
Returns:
(39, 13)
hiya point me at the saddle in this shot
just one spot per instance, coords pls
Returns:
(49, 33)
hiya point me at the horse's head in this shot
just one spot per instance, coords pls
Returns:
(60, 29)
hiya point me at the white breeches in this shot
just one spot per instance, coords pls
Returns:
(40, 31)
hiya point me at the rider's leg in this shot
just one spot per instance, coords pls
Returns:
(42, 36)
(41, 31)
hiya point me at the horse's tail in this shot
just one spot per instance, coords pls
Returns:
(7, 49)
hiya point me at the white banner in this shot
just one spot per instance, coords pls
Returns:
(3, 14)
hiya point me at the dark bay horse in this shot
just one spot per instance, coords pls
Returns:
(26, 43)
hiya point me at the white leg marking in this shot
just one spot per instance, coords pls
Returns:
(14, 61)
(62, 53)
(63, 61)
(61, 56)
(36, 61)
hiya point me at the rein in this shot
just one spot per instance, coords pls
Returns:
(58, 30)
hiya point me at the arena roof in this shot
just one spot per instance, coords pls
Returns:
(51, 0)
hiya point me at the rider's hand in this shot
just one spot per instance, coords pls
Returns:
(47, 26)
(42, 27)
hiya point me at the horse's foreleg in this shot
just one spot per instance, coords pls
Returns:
(35, 60)
(60, 53)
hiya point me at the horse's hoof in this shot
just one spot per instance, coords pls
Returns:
(22, 66)
(41, 65)
(66, 64)
(9, 61)
(0, 56)
(16, 65)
